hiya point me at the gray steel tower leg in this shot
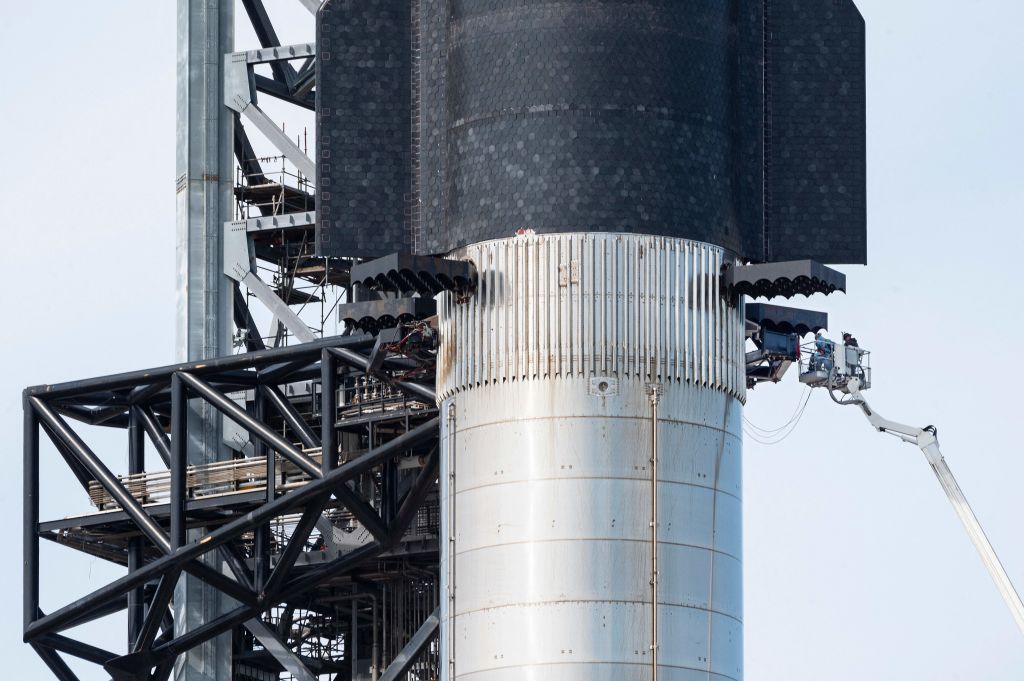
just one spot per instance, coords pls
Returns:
(204, 180)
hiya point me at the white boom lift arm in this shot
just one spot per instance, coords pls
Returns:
(927, 440)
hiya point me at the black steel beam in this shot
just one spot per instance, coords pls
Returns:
(114, 605)
(296, 543)
(78, 649)
(136, 557)
(362, 511)
(360, 361)
(261, 551)
(206, 508)
(305, 79)
(405, 659)
(142, 393)
(235, 617)
(136, 604)
(236, 563)
(276, 88)
(83, 609)
(116, 415)
(102, 474)
(79, 471)
(262, 534)
(94, 416)
(163, 671)
(156, 434)
(274, 375)
(226, 406)
(414, 499)
(291, 416)
(52, 660)
(220, 581)
(156, 612)
(265, 33)
(243, 317)
(328, 408)
(249, 360)
(30, 517)
(179, 462)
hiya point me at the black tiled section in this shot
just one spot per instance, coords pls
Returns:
(363, 127)
(433, 166)
(817, 205)
(590, 171)
(593, 115)
(747, 122)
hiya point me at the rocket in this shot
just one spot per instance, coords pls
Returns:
(603, 165)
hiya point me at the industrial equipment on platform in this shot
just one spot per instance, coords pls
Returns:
(550, 215)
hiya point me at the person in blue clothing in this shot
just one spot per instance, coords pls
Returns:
(824, 351)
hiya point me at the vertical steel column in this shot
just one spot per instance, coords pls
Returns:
(179, 442)
(204, 203)
(136, 465)
(353, 649)
(31, 517)
(262, 533)
(328, 407)
(375, 650)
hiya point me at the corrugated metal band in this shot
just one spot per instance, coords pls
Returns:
(562, 305)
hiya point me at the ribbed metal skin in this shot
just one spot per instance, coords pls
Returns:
(562, 305)
(548, 492)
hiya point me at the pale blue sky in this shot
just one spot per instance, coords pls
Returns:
(856, 568)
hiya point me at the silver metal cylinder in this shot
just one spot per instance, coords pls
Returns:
(580, 360)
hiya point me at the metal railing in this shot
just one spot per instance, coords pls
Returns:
(277, 188)
(823, 362)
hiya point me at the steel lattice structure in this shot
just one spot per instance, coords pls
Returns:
(326, 562)
(265, 572)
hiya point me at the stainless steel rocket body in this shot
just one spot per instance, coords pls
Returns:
(592, 405)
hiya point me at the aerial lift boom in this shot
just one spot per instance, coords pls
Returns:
(927, 440)
(847, 370)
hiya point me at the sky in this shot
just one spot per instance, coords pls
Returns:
(855, 565)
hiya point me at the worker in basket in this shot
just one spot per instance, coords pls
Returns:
(824, 351)
(854, 363)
